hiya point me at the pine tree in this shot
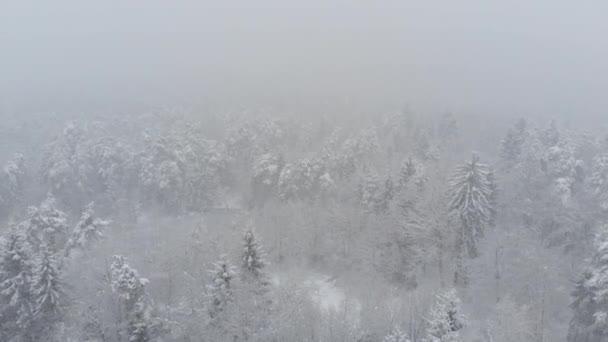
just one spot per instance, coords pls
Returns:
(47, 291)
(16, 304)
(471, 200)
(46, 224)
(130, 287)
(220, 290)
(396, 336)
(445, 318)
(253, 257)
(590, 321)
(253, 300)
(511, 146)
(266, 172)
(412, 171)
(599, 179)
(87, 230)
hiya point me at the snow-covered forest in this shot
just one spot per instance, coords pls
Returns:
(303, 171)
(169, 226)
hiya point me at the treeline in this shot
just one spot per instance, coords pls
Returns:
(381, 206)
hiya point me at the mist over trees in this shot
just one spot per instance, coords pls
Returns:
(173, 226)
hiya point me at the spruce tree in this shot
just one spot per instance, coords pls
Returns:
(445, 318)
(254, 303)
(511, 146)
(46, 224)
(220, 289)
(16, 304)
(252, 258)
(141, 326)
(471, 201)
(590, 321)
(47, 291)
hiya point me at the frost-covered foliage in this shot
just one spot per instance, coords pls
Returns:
(220, 290)
(85, 163)
(306, 179)
(253, 257)
(563, 167)
(591, 296)
(599, 180)
(358, 230)
(16, 298)
(266, 172)
(48, 293)
(139, 323)
(470, 196)
(445, 318)
(87, 230)
(396, 336)
(46, 224)
(412, 172)
(58, 170)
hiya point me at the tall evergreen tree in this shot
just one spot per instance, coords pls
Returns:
(141, 326)
(253, 256)
(590, 321)
(445, 319)
(471, 200)
(220, 289)
(46, 224)
(16, 305)
(47, 291)
(511, 146)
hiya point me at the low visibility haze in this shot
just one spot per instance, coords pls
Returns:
(485, 57)
(303, 171)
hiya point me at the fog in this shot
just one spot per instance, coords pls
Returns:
(544, 58)
(312, 171)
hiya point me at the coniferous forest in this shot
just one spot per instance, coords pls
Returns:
(303, 171)
(177, 227)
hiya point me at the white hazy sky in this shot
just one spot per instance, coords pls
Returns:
(547, 57)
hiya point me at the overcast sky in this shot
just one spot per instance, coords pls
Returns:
(543, 57)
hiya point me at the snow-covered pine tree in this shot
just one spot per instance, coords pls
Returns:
(46, 224)
(252, 259)
(396, 335)
(141, 326)
(16, 304)
(599, 179)
(57, 171)
(511, 146)
(87, 230)
(266, 172)
(253, 300)
(220, 289)
(412, 172)
(470, 199)
(590, 321)
(47, 292)
(445, 319)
